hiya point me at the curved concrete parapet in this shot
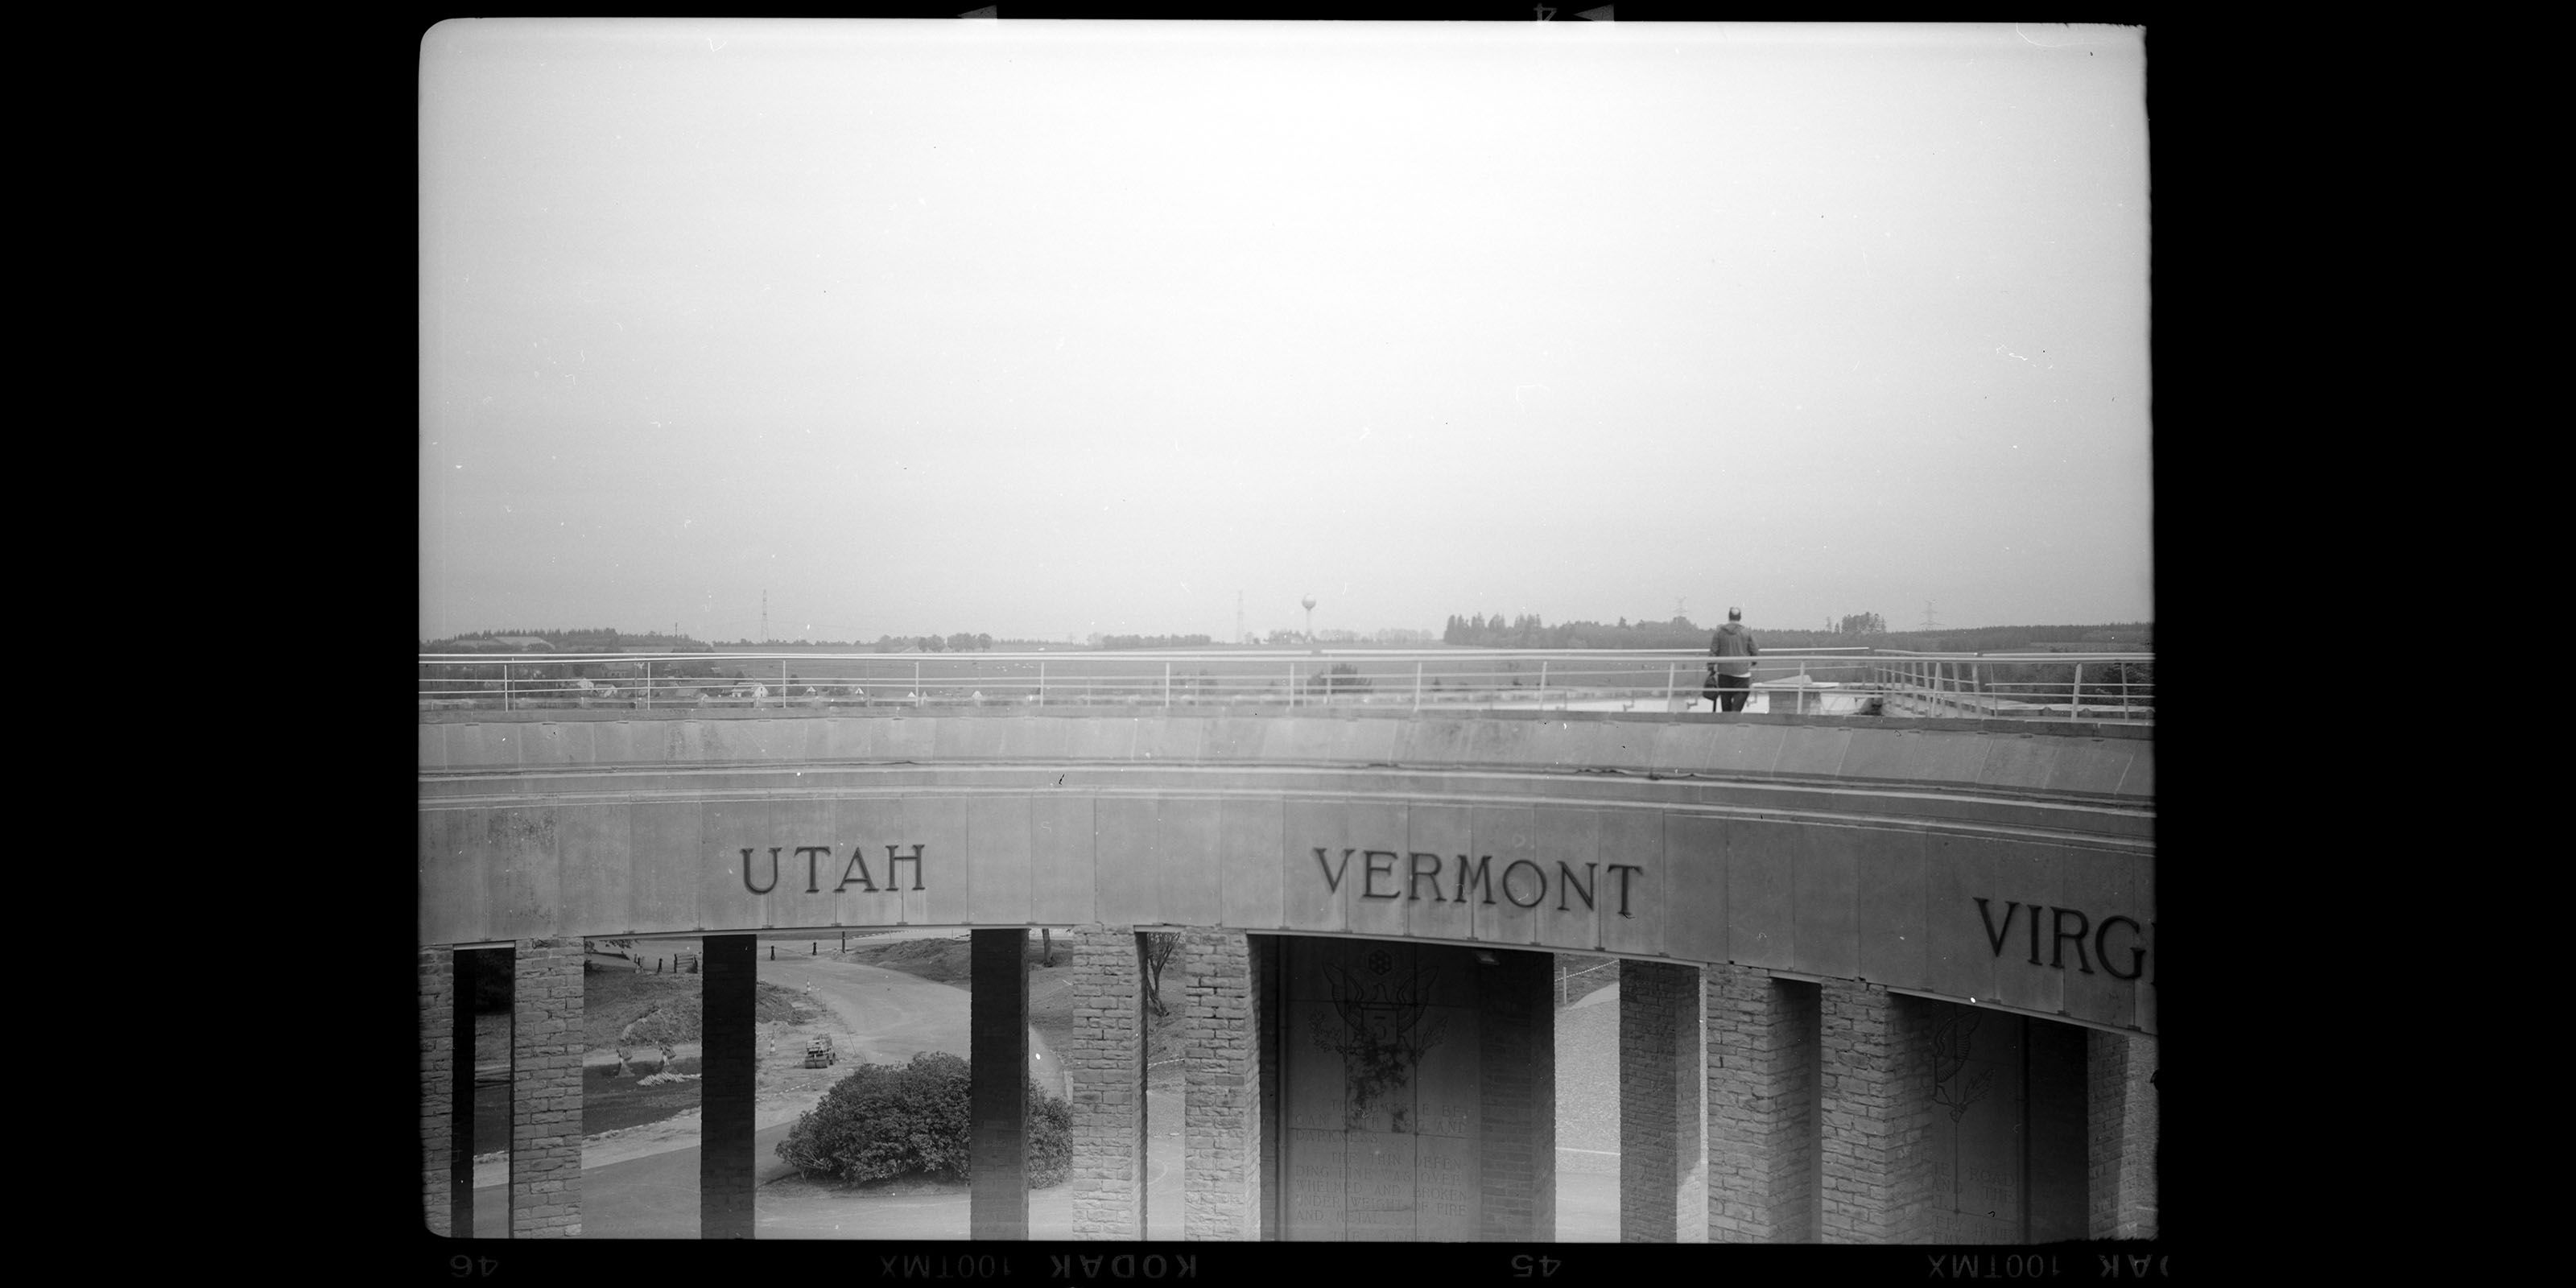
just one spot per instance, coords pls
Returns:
(2000, 862)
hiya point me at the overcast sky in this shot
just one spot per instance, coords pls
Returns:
(1040, 330)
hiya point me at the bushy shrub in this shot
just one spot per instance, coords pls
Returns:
(883, 1121)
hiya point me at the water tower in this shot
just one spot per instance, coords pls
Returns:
(1309, 602)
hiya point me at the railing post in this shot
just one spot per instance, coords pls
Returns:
(1417, 686)
(2124, 690)
(1672, 684)
(1542, 684)
(2076, 708)
(648, 686)
(1167, 688)
(505, 686)
(1292, 684)
(916, 682)
(1042, 682)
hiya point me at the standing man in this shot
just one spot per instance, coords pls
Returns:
(1734, 649)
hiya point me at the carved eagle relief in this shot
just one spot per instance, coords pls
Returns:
(1382, 1035)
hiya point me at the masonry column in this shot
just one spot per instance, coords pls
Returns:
(998, 1058)
(438, 1065)
(1762, 1066)
(1658, 1096)
(2120, 1151)
(1108, 1067)
(1875, 1095)
(728, 1075)
(1516, 1056)
(545, 1090)
(1221, 1050)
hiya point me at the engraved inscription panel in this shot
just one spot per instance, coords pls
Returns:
(1382, 1100)
(1977, 1126)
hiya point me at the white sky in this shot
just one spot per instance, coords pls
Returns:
(1045, 329)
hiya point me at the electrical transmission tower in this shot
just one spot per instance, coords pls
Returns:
(1928, 623)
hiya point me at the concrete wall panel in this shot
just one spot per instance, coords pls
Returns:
(666, 845)
(1130, 833)
(1030, 737)
(1961, 958)
(433, 746)
(1761, 893)
(526, 876)
(2015, 762)
(494, 746)
(1628, 744)
(1380, 826)
(1828, 901)
(795, 821)
(728, 886)
(968, 738)
(1507, 833)
(939, 825)
(597, 862)
(1567, 841)
(1254, 861)
(2139, 783)
(1683, 747)
(685, 742)
(1432, 741)
(2100, 887)
(1634, 904)
(998, 885)
(625, 742)
(1186, 856)
(1811, 751)
(1104, 738)
(913, 739)
(1885, 754)
(2034, 876)
(1230, 739)
(1310, 825)
(1694, 881)
(848, 738)
(451, 877)
(1738, 748)
(862, 892)
(1503, 742)
(1895, 944)
(1371, 742)
(1063, 869)
(2089, 765)
(1444, 832)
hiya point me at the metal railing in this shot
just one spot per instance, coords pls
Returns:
(2093, 686)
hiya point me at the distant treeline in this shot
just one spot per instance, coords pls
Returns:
(1528, 631)
(594, 639)
(1152, 641)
